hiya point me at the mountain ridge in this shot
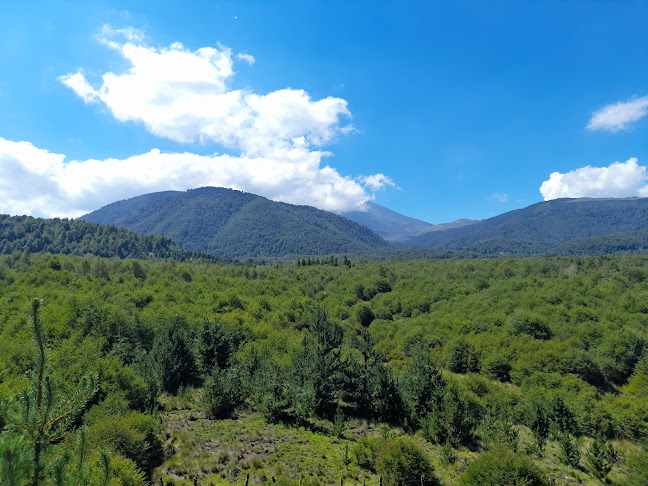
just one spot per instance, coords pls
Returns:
(543, 227)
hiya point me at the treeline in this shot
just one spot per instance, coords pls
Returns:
(71, 237)
(517, 359)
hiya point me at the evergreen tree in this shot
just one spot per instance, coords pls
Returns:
(423, 387)
(172, 357)
(40, 413)
(317, 364)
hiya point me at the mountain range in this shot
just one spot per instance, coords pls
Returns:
(232, 224)
(559, 226)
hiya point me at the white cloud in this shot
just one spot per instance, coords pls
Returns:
(186, 96)
(500, 197)
(246, 57)
(620, 179)
(275, 139)
(37, 182)
(376, 182)
(78, 83)
(615, 117)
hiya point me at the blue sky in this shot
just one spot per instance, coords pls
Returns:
(438, 110)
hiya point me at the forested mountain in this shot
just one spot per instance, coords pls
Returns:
(229, 223)
(561, 226)
(37, 235)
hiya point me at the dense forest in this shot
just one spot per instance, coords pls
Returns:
(233, 224)
(70, 237)
(319, 372)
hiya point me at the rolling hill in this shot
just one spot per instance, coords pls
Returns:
(233, 224)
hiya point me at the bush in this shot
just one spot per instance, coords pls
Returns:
(503, 467)
(365, 452)
(401, 461)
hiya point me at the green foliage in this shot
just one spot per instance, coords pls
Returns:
(460, 356)
(364, 315)
(600, 458)
(365, 451)
(172, 358)
(503, 467)
(41, 413)
(453, 420)
(339, 423)
(569, 451)
(216, 345)
(401, 461)
(222, 393)
(588, 378)
(619, 352)
(13, 461)
(539, 421)
(316, 365)
(530, 324)
(74, 237)
(423, 387)
(133, 435)
(497, 368)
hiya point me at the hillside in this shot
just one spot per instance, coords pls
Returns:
(561, 226)
(69, 237)
(234, 224)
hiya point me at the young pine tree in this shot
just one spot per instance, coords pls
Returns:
(40, 413)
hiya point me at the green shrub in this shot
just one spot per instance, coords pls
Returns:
(401, 461)
(366, 451)
(503, 467)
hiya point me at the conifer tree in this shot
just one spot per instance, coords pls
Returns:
(40, 413)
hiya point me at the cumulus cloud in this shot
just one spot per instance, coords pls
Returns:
(37, 182)
(274, 141)
(615, 117)
(620, 179)
(186, 96)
